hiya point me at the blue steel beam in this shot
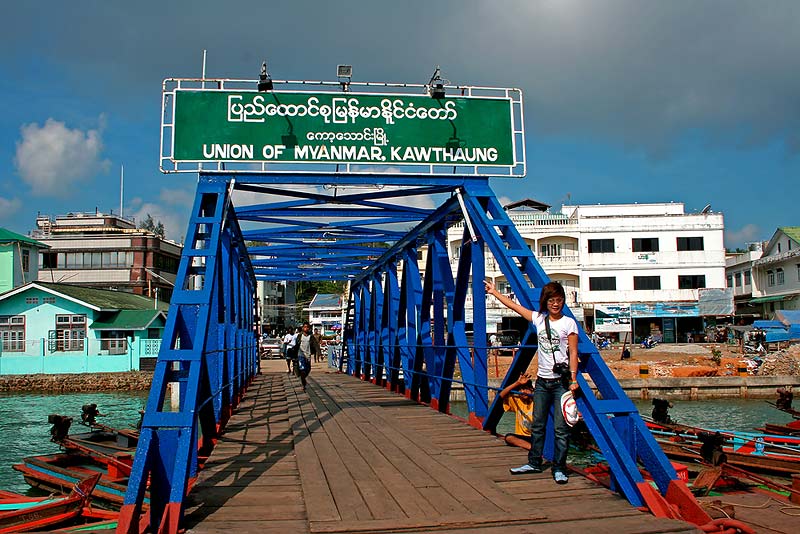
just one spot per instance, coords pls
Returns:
(209, 352)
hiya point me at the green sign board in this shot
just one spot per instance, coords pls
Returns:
(294, 127)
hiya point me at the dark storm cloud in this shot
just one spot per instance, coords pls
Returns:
(633, 73)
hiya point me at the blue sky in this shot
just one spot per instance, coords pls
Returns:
(625, 101)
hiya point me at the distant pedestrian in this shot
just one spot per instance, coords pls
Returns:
(288, 349)
(318, 337)
(308, 352)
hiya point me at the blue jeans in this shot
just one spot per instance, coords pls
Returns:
(546, 396)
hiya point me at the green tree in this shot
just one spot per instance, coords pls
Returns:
(306, 290)
(151, 225)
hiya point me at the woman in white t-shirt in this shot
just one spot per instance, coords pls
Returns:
(557, 337)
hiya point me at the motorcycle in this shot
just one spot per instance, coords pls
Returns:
(648, 342)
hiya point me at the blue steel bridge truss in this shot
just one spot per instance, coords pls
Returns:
(406, 330)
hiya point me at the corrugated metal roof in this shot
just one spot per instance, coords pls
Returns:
(7, 236)
(788, 317)
(127, 320)
(326, 300)
(104, 299)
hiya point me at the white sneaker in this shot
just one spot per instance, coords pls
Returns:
(525, 469)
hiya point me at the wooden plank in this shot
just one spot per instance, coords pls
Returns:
(342, 488)
(312, 476)
(373, 453)
(378, 499)
(474, 492)
(350, 456)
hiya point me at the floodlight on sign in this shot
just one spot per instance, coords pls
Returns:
(345, 75)
(436, 85)
(264, 80)
(344, 71)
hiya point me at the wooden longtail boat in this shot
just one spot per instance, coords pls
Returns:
(778, 454)
(24, 514)
(58, 472)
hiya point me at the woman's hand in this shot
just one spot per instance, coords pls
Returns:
(573, 386)
(489, 287)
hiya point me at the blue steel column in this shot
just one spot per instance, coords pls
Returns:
(472, 365)
(426, 383)
(376, 330)
(444, 293)
(412, 295)
(479, 408)
(194, 353)
(390, 327)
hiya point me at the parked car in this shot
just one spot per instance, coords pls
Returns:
(509, 340)
(270, 348)
(505, 338)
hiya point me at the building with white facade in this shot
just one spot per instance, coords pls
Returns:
(739, 277)
(776, 274)
(326, 313)
(641, 269)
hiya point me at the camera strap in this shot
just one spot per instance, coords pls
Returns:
(550, 339)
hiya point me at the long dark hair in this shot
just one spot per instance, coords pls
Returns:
(550, 290)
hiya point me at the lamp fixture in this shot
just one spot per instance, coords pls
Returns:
(264, 80)
(436, 85)
(345, 75)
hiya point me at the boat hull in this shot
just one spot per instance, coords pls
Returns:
(59, 472)
(25, 514)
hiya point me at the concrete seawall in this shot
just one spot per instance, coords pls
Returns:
(89, 382)
(696, 388)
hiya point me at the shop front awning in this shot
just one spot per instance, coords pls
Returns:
(774, 298)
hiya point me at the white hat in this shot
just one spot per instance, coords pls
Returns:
(569, 408)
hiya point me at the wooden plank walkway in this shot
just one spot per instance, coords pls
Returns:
(348, 456)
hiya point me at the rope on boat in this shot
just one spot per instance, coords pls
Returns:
(726, 525)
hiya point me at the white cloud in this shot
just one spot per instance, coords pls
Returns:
(749, 233)
(51, 158)
(9, 206)
(172, 209)
(177, 197)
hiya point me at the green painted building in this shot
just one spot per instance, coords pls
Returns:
(19, 259)
(61, 328)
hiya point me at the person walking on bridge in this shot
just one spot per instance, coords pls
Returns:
(557, 338)
(286, 346)
(309, 350)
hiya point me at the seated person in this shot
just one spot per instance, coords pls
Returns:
(518, 398)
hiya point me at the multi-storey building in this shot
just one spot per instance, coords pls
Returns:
(106, 251)
(18, 264)
(776, 274)
(325, 313)
(273, 309)
(640, 269)
(739, 277)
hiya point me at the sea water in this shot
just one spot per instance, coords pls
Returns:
(24, 430)
(718, 414)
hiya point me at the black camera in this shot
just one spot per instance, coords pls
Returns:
(561, 369)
